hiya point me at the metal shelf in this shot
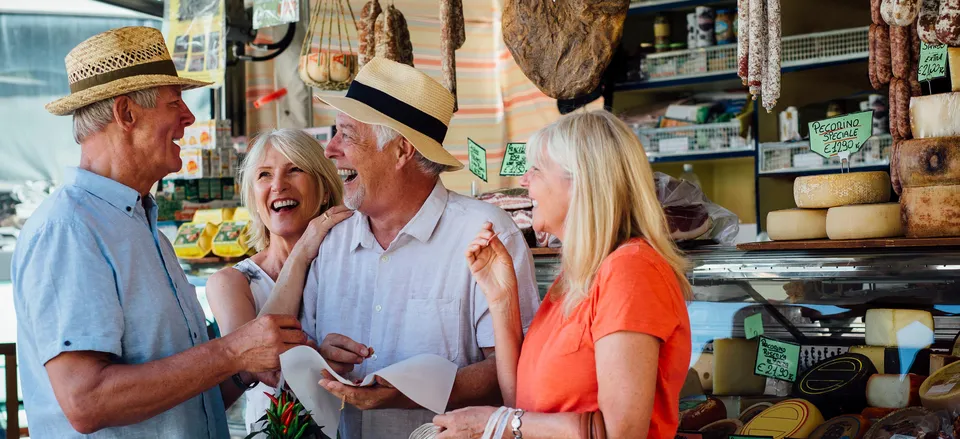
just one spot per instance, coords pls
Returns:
(780, 158)
(718, 63)
(650, 7)
(696, 156)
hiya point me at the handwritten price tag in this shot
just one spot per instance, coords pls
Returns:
(478, 159)
(841, 134)
(753, 326)
(777, 359)
(514, 160)
(933, 61)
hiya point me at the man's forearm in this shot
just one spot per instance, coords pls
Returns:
(123, 394)
(475, 385)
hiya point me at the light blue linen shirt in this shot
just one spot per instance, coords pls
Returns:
(91, 272)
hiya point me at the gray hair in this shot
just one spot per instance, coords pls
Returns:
(95, 117)
(385, 135)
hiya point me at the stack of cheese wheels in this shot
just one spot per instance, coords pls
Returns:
(930, 175)
(905, 333)
(838, 206)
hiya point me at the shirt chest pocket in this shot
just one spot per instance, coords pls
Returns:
(432, 326)
(570, 338)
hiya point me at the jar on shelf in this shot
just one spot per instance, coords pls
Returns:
(706, 36)
(723, 27)
(661, 33)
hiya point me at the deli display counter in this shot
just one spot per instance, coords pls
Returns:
(893, 310)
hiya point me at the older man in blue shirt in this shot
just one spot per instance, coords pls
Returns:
(111, 337)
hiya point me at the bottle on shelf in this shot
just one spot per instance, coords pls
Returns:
(661, 34)
(689, 175)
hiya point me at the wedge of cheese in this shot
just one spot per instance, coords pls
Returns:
(908, 328)
(734, 362)
(935, 115)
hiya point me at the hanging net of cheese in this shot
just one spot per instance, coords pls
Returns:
(832, 190)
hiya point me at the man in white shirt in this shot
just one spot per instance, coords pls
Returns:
(392, 282)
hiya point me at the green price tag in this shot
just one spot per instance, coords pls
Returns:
(514, 160)
(841, 135)
(933, 61)
(777, 359)
(753, 326)
(478, 159)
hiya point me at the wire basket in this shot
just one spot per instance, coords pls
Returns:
(781, 157)
(693, 139)
(796, 50)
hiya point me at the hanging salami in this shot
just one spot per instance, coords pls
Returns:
(366, 31)
(452, 37)
(927, 21)
(758, 44)
(743, 40)
(771, 80)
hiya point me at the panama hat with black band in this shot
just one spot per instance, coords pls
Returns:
(405, 99)
(117, 62)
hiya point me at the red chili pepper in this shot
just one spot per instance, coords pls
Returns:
(283, 398)
(285, 418)
(273, 399)
(284, 430)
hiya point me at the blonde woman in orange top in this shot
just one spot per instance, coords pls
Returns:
(610, 345)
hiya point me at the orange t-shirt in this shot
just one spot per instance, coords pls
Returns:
(634, 290)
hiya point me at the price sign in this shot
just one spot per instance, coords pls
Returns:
(842, 134)
(777, 359)
(933, 61)
(753, 326)
(478, 159)
(514, 160)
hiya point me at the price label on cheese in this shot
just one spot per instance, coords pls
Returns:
(514, 160)
(478, 159)
(777, 359)
(841, 134)
(933, 61)
(753, 326)
(940, 389)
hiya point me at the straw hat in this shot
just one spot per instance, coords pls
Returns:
(115, 63)
(403, 98)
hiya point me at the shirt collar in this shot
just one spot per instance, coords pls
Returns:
(113, 192)
(420, 227)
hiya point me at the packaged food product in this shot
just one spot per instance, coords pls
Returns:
(231, 237)
(723, 27)
(661, 34)
(194, 240)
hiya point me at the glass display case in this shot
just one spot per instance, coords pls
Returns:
(818, 301)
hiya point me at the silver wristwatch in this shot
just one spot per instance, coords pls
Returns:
(517, 423)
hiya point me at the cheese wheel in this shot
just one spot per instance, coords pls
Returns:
(842, 427)
(899, 327)
(931, 211)
(896, 360)
(939, 361)
(704, 368)
(792, 224)
(832, 190)
(734, 363)
(874, 353)
(894, 391)
(751, 412)
(941, 391)
(929, 162)
(864, 221)
(837, 385)
(934, 115)
(793, 418)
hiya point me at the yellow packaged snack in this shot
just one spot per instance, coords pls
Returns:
(214, 216)
(231, 238)
(194, 240)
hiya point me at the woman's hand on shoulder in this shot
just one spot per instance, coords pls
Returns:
(308, 247)
(491, 265)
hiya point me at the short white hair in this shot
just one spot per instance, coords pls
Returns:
(385, 135)
(95, 117)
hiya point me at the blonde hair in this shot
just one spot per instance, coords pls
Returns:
(303, 151)
(612, 198)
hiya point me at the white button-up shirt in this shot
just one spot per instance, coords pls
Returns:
(416, 296)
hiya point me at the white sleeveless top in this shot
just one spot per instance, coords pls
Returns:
(260, 285)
